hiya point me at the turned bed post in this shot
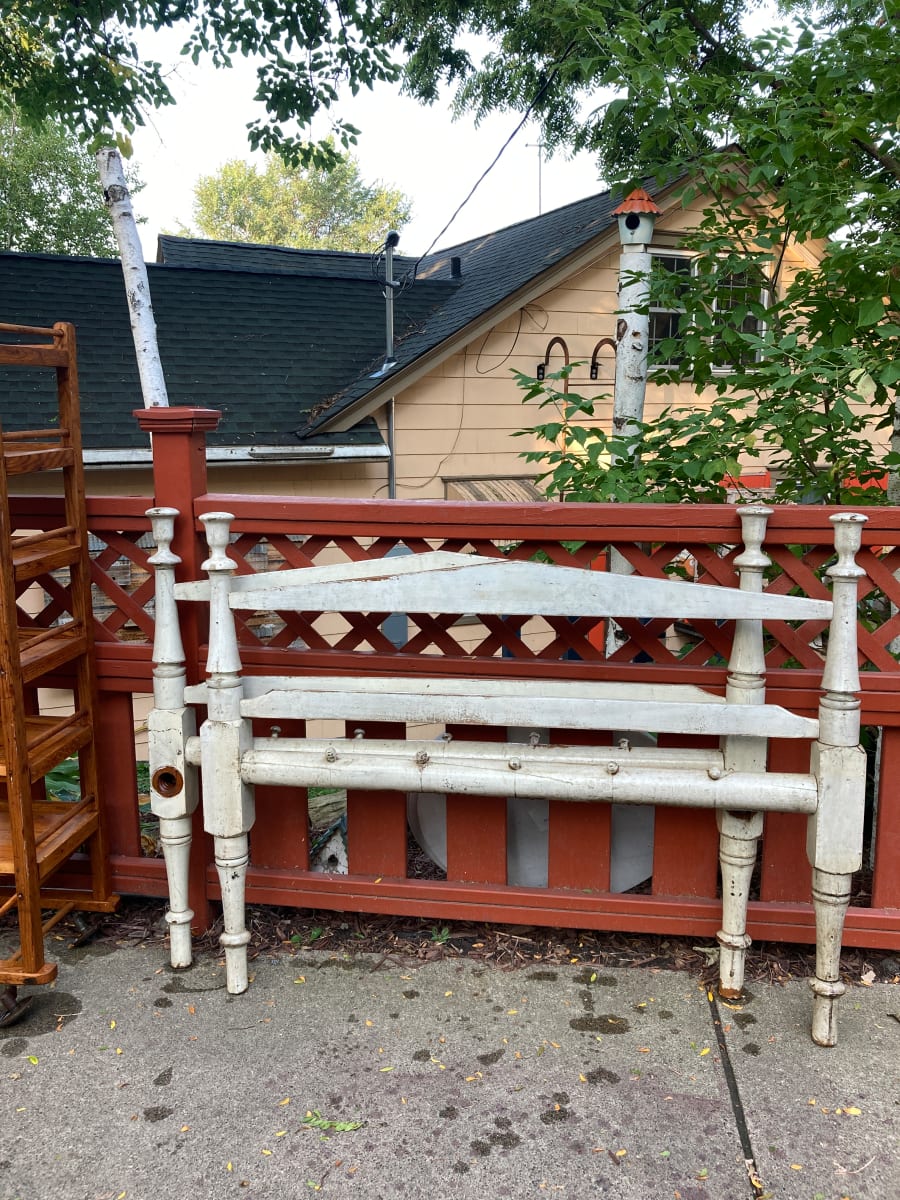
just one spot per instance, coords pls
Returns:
(173, 781)
(225, 737)
(739, 832)
(835, 831)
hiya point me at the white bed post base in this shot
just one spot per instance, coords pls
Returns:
(738, 836)
(175, 838)
(232, 856)
(831, 896)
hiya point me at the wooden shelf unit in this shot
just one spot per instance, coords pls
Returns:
(38, 833)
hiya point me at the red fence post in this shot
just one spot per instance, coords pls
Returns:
(786, 875)
(114, 727)
(886, 877)
(178, 437)
(685, 841)
(578, 836)
(476, 825)
(280, 835)
(376, 819)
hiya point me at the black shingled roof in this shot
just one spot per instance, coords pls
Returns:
(493, 267)
(283, 341)
(269, 260)
(265, 348)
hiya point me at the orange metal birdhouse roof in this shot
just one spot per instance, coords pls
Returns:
(637, 201)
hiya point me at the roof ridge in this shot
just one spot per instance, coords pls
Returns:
(444, 286)
(44, 254)
(272, 246)
(593, 198)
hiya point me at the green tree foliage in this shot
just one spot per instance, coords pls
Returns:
(653, 88)
(79, 60)
(303, 207)
(50, 200)
(793, 135)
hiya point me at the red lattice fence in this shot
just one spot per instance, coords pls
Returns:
(653, 540)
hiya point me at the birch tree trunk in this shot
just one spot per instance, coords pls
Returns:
(137, 286)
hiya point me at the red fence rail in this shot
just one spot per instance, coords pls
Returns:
(654, 540)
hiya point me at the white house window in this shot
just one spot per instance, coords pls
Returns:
(665, 319)
(735, 292)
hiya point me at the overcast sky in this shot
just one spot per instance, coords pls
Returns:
(420, 150)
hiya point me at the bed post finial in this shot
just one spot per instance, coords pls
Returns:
(839, 706)
(747, 666)
(168, 649)
(223, 663)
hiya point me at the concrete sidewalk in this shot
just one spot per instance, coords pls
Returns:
(454, 1079)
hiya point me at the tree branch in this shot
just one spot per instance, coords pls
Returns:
(713, 42)
(887, 161)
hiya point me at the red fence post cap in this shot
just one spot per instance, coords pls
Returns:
(178, 419)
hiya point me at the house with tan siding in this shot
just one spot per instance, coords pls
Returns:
(291, 346)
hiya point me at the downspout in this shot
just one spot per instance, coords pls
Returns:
(392, 466)
(390, 286)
